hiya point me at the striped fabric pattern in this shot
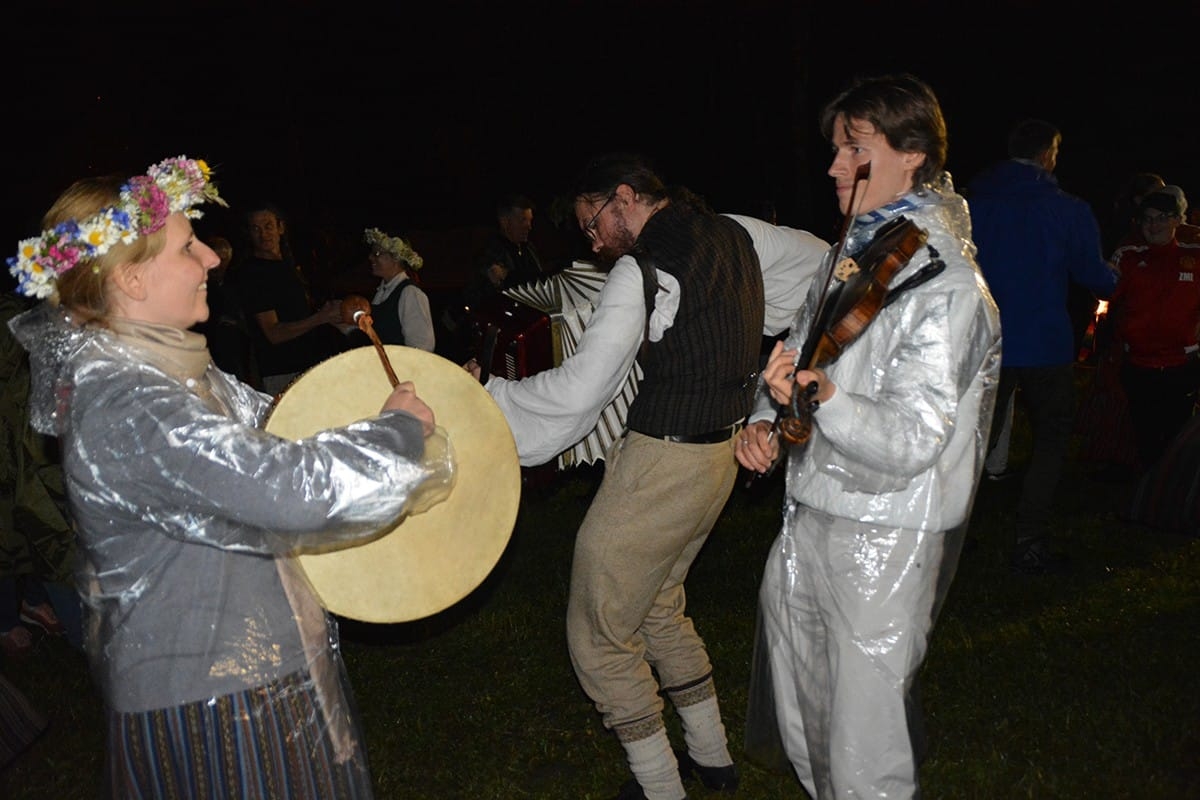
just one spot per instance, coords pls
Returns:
(265, 743)
(20, 722)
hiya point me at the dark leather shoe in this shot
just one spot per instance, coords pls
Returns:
(718, 779)
(1036, 558)
(16, 643)
(631, 790)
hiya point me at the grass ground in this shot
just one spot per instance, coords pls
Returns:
(1075, 686)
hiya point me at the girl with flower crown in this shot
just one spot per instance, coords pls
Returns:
(220, 671)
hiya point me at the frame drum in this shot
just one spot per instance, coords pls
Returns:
(433, 559)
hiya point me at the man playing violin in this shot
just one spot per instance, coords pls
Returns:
(880, 490)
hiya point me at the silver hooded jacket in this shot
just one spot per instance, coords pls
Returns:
(902, 441)
(186, 511)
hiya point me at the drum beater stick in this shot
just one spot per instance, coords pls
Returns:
(357, 311)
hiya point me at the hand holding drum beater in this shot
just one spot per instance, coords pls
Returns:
(356, 311)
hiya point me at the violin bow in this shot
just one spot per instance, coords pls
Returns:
(861, 174)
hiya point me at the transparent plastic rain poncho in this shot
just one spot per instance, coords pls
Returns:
(187, 513)
(876, 505)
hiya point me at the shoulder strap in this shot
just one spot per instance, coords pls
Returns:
(930, 270)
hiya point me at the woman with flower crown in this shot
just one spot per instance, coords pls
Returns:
(400, 307)
(220, 672)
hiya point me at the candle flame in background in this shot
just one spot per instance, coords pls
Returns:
(1087, 351)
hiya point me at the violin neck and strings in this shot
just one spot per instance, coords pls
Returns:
(864, 289)
(861, 175)
(794, 421)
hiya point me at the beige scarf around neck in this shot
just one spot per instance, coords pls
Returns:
(182, 354)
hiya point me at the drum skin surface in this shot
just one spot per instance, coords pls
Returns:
(433, 559)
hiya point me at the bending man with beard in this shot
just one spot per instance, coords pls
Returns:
(684, 296)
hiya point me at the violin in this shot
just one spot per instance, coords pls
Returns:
(846, 311)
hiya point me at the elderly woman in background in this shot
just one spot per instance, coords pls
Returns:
(400, 308)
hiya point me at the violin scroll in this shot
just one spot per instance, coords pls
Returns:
(797, 426)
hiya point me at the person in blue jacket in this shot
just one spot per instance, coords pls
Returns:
(1034, 241)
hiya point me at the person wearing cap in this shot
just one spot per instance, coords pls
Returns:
(1129, 208)
(1156, 313)
(400, 308)
(1034, 241)
(1104, 422)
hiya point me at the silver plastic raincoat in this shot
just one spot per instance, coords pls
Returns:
(876, 504)
(187, 513)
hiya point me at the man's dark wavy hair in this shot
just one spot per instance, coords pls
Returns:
(901, 107)
(603, 174)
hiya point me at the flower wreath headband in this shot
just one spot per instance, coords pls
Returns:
(394, 246)
(170, 186)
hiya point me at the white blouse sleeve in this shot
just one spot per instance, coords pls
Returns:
(552, 410)
(415, 319)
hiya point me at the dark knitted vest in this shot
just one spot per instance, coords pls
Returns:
(701, 375)
(386, 316)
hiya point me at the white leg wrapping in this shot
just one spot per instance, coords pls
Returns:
(702, 727)
(654, 766)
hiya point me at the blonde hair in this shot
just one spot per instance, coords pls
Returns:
(84, 289)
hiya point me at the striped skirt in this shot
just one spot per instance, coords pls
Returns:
(266, 743)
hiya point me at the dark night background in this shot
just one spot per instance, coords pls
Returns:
(413, 117)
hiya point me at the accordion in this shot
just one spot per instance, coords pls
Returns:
(512, 340)
(535, 327)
